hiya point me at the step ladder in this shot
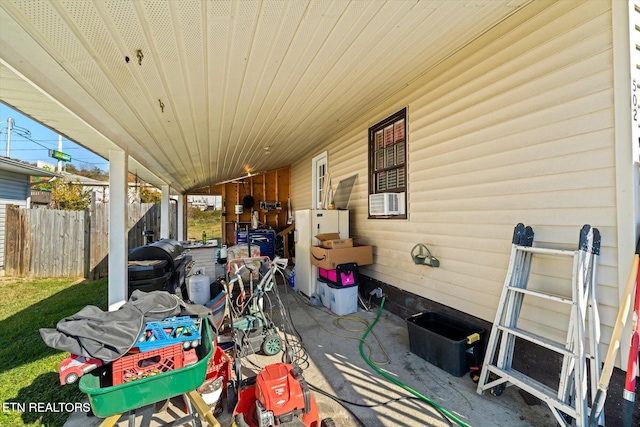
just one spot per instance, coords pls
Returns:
(570, 402)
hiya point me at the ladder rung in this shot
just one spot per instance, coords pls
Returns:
(546, 251)
(537, 339)
(540, 294)
(541, 391)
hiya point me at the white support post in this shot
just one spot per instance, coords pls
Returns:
(118, 232)
(164, 213)
(180, 218)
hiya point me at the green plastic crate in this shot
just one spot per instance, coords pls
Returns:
(107, 401)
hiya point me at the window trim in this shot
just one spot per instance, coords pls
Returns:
(321, 158)
(373, 172)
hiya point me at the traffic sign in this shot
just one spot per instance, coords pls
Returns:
(60, 155)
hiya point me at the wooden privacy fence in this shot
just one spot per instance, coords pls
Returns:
(53, 243)
(44, 243)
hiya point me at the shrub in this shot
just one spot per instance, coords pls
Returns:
(69, 196)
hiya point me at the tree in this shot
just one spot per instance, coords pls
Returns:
(149, 195)
(93, 173)
(69, 196)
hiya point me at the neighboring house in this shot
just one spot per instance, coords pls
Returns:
(205, 203)
(99, 189)
(15, 190)
(530, 123)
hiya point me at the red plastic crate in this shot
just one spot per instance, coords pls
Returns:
(146, 364)
(219, 365)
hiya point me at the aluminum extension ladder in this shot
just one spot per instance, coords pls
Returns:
(570, 402)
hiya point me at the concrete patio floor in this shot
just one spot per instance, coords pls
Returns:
(334, 365)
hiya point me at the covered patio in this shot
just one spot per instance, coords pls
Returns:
(334, 365)
(473, 116)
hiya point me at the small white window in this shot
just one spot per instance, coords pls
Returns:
(319, 174)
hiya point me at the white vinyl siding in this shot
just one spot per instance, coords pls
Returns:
(301, 193)
(516, 127)
(14, 190)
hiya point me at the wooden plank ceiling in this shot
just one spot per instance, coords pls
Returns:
(199, 92)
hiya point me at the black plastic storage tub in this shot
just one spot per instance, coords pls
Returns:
(450, 344)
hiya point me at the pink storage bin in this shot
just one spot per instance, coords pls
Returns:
(347, 278)
(343, 275)
(329, 275)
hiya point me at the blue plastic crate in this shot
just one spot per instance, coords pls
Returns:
(170, 331)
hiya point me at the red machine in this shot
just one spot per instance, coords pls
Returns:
(279, 397)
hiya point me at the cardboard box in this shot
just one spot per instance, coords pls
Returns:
(331, 258)
(338, 243)
(333, 241)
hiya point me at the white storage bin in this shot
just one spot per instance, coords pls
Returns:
(323, 289)
(344, 300)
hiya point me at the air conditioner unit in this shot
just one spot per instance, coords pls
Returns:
(386, 204)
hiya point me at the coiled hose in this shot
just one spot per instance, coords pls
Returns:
(398, 383)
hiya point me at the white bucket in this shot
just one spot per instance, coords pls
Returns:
(211, 391)
(239, 209)
(198, 287)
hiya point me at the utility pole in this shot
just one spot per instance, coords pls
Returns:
(9, 122)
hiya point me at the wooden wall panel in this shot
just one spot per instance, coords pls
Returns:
(269, 186)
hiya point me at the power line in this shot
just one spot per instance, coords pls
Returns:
(26, 134)
(40, 149)
(37, 142)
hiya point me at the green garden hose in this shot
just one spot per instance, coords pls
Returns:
(398, 383)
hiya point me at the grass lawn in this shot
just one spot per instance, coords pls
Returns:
(207, 221)
(29, 368)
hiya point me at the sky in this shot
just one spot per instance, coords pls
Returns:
(41, 140)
